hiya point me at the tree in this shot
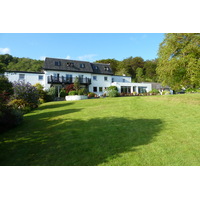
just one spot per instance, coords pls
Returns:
(129, 65)
(139, 75)
(179, 60)
(150, 70)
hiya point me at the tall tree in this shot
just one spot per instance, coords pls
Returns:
(150, 70)
(179, 60)
(129, 65)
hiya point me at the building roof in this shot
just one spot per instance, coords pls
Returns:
(58, 64)
(24, 72)
(100, 68)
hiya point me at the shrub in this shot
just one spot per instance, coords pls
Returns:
(154, 91)
(62, 92)
(69, 88)
(72, 93)
(10, 118)
(82, 91)
(91, 94)
(112, 91)
(76, 84)
(18, 104)
(26, 92)
(50, 94)
(6, 87)
(166, 92)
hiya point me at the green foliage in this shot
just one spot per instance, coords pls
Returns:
(63, 92)
(129, 65)
(10, 118)
(26, 92)
(192, 90)
(154, 91)
(150, 70)
(5, 86)
(76, 84)
(82, 91)
(112, 91)
(179, 63)
(51, 94)
(139, 75)
(73, 93)
(10, 63)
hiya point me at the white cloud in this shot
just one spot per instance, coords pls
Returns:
(4, 51)
(87, 57)
(68, 57)
(42, 57)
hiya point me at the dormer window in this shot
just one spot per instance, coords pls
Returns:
(57, 63)
(82, 65)
(106, 68)
(70, 64)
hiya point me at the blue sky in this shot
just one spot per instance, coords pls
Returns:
(81, 46)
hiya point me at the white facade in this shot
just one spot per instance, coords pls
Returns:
(99, 82)
(30, 77)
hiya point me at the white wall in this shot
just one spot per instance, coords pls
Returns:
(126, 79)
(136, 85)
(100, 82)
(32, 78)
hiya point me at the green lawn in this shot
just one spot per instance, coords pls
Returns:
(153, 130)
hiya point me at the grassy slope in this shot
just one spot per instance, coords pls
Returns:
(158, 130)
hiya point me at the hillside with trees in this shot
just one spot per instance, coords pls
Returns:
(10, 63)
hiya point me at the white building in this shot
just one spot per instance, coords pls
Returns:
(96, 77)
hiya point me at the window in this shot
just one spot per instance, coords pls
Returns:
(105, 78)
(94, 78)
(94, 89)
(142, 89)
(100, 89)
(40, 77)
(21, 77)
(69, 78)
(112, 80)
(125, 89)
(70, 64)
(123, 80)
(106, 68)
(82, 65)
(57, 63)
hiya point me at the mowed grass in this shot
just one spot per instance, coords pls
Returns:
(124, 131)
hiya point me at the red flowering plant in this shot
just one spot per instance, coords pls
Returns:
(70, 88)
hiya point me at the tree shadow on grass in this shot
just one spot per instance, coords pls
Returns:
(52, 104)
(67, 142)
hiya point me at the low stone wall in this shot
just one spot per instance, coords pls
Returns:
(75, 97)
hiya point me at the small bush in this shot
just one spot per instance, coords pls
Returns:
(26, 92)
(154, 91)
(69, 88)
(82, 91)
(10, 118)
(18, 104)
(50, 94)
(112, 91)
(91, 94)
(62, 92)
(72, 93)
